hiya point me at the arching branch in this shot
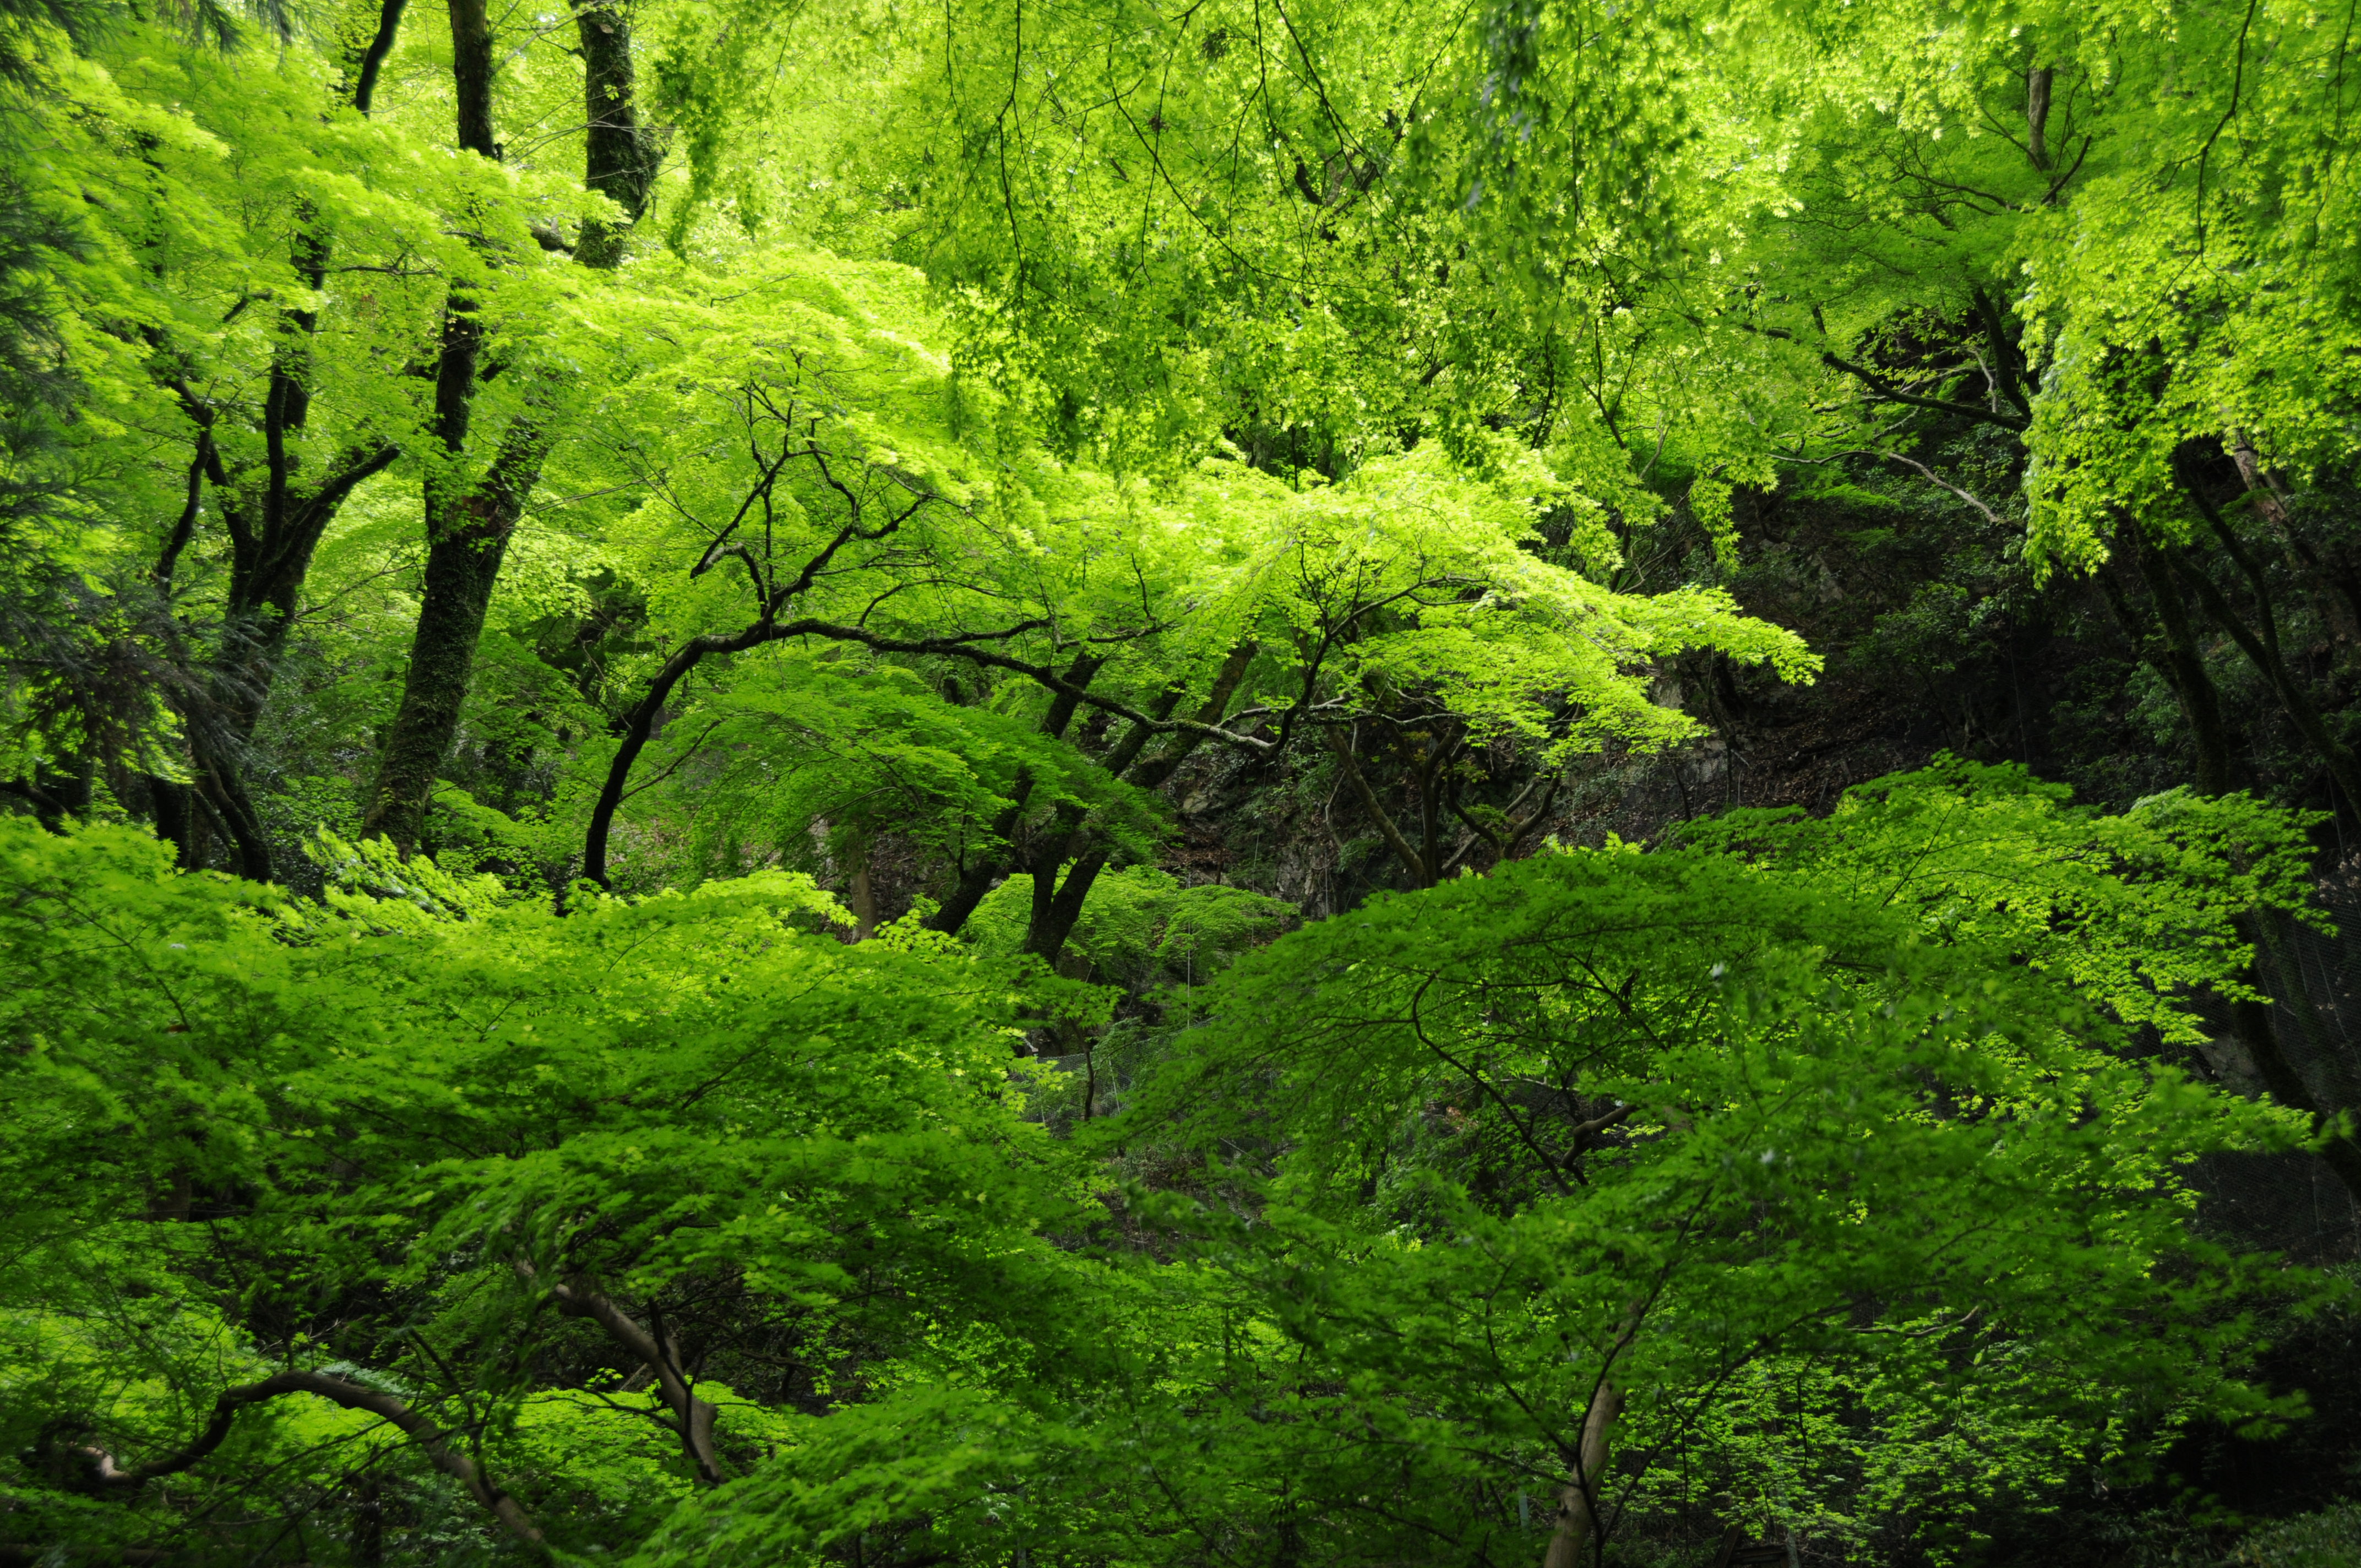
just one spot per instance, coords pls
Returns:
(102, 1473)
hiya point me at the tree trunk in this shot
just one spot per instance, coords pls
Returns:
(1421, 873)
(222, 788)
(467, 526)
(362, 67)
(471, 75)
(461, 566)
(468, 538)
(620, 162)
(862, 899)
(976, 879)
(2183, 667)
(274, 525)
(1057, 904)
(1577, 1505)
(168, 809)
(2036, 116)
(692, 1420)
(639, 728)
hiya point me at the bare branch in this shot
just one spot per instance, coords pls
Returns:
(104, 1475)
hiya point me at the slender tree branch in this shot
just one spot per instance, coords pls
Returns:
(104, 1475)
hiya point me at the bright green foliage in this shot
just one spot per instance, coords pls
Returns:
(2137, 912)
(1871, 1206)
(808, 759)
(441, 1103)
(1875, 1213)
(1410, 588)
(1865, 1173)
(1013, 451)
(1703, 239)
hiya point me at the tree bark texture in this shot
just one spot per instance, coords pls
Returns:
(471, 75)
(620, 162)
(467, 537)
(468, 524)
(2037, 114)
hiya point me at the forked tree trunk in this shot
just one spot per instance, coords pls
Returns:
(1057, 904)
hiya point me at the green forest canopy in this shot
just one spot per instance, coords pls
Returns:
(819, 785)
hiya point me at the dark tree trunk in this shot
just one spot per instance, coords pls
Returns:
(977, 877)
(467, 525)
(639, 728)
(168, 807)
(467, 537)
(641, 722)
(467, 534)
(461, 567)
(2183, 667)
(222, 789)
(2037, 114)
(275, 525)
(362, 68)
(471, 75)
(1057, 904)
(621, 163)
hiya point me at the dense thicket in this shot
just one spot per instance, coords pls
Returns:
(1236, 783)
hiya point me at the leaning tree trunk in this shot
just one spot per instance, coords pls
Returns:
(467, 525)
(467, 528)
(462, 567)
(369, 34)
